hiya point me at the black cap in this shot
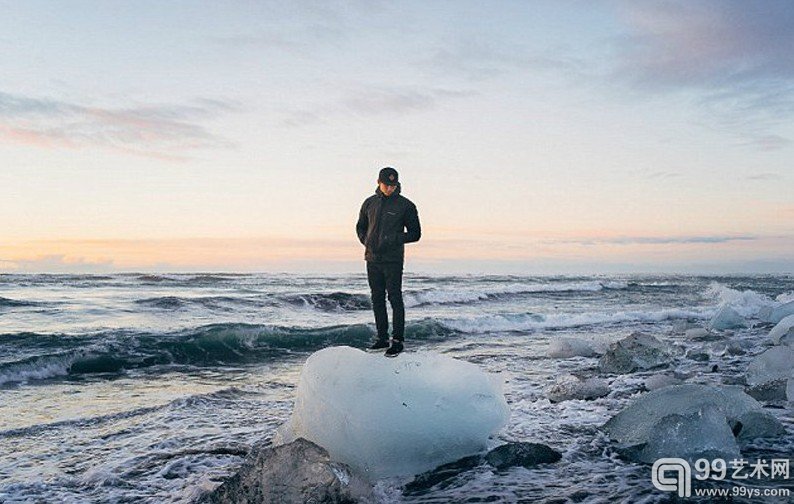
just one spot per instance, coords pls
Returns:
(388, 176)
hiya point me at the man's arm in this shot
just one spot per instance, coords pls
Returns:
(412, 226)
(362, 224)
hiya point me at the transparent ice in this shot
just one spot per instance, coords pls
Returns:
(391, 417)
(777, 363)
(727, 318)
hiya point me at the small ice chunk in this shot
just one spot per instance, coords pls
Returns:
(774, 364)
(682, 326)
(658, 381)
(699, 333)
(783, 332)
(568, 387)
(727, 318)
(564, 348)
(636, 352)
(394, 417)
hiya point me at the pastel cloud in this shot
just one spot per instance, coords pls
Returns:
(373, 101)
(725, 42)
(476, 58)
(660, 240)
(57, 263)
(162, 131)
(737, 55)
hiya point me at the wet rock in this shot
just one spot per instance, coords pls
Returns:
(568, 387)
(514, 454)
(443, 473)
(636, 352)
(521, 454)
(299, 471)
(643, 429)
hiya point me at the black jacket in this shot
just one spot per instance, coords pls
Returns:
(385, 224)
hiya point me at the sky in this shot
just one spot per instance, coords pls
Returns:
(536, 137)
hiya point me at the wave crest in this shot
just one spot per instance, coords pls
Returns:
(211, 345)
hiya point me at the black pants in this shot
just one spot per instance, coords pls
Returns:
(387, 278)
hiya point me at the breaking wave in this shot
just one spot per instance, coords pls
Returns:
(212, 345)
(345, 301)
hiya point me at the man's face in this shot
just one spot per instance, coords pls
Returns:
(386, 189)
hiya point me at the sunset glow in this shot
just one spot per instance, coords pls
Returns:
(543, 137)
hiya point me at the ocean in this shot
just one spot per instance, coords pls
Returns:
(153, 387)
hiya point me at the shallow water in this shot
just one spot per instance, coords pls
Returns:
(151, 388)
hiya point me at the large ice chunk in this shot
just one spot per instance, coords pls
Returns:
(727, 318)
(702, 434)
(783, 332)
(392, 417)
(636, 426)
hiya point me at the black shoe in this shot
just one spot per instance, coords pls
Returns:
(395, 348)
(379, 345)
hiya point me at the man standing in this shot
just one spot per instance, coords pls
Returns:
(387, 222)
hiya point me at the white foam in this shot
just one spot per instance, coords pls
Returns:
(785, 297)
(449, 296)
(529, 322)
(39, 369)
